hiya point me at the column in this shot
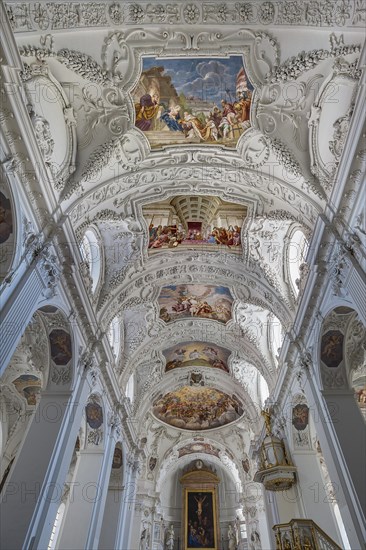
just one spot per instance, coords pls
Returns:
(259, 534)
(124, 530)
(103, 484)
(315, 494)
(44, 516)
(26, 486)
(288, 504)
(16, 313)
(108, 534)
(40, 278)
(349, 427)
(265, 530)
(350, 510)
(86, 499)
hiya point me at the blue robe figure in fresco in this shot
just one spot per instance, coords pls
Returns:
(172, 119)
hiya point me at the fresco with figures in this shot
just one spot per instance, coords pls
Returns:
(192, 448)
(191, 408)
(201, 222)
(331, 348)
(196, 354)
(202, 301)
(29, 386)
(61, 349)
(94, 415)
(300, 416)
(193, 100)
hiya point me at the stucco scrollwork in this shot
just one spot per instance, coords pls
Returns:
(327, 118)
(53, 120)
(109, 110)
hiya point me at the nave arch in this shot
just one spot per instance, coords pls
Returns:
(243, 285)
(203, 331)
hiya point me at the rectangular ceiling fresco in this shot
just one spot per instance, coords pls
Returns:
(196, 354)
(194, 100)
(203, 301)
(194, 222)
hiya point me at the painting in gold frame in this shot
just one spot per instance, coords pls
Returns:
(200, 525)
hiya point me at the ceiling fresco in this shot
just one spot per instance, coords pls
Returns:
(191, 408)
(201, 222)
(196, 354)
(29, 386)
(194, 100)
(61, 349)
(202, 301)
(191, 448)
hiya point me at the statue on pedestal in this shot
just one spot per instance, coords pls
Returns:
(169, 538)
(231, 538)
(143, 540)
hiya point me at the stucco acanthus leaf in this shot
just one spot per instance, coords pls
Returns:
(294, 67)
(95, 437)
(341, 127)
(109, 110)
(82, 64)
(61, 375)
(337, 267)
(86, 275)
(100, 158)
(127, 151)
(47, 263)
(355, 349)
(304, 270)
(333, 380)
(85, 66)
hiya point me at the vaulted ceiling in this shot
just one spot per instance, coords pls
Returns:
(86, 69)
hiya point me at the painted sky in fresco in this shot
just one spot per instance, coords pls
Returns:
(206, 79)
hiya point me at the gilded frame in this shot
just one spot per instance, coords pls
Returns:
(188, 516)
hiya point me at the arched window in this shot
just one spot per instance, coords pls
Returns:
(263, 392)
(130, 388)
(91, 254)
(114, 336)
(297, 251)
(275, 336)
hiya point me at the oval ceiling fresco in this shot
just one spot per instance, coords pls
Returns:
(191, 408)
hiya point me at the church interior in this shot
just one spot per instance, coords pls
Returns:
(182, 275)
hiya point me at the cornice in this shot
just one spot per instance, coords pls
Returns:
(56, 16)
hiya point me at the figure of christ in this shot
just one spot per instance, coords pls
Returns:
(199, 510)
